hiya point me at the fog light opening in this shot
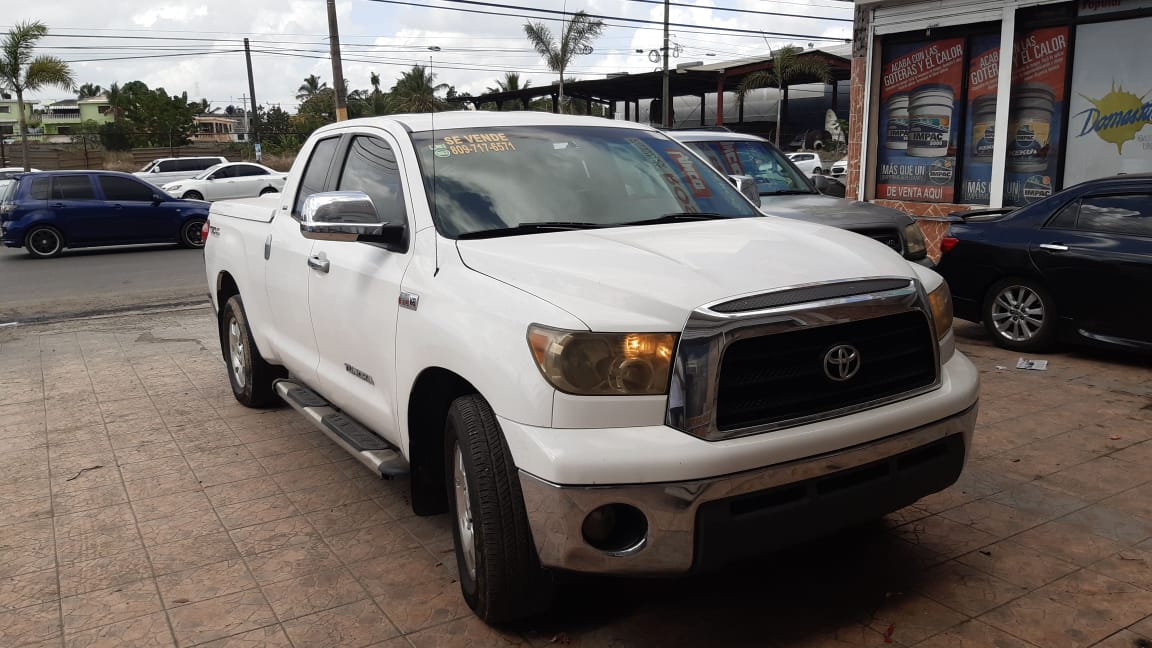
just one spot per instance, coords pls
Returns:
(616, 529)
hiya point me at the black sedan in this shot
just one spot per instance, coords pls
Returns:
(1075, 265)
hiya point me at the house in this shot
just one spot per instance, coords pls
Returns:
(215, 128)
(60, 119)
(10, 116)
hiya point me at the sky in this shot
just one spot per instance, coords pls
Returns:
(201, 40)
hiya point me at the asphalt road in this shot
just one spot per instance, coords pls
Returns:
(90, 282)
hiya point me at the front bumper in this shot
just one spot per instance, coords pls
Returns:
(702, 524)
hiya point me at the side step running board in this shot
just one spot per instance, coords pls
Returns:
(355, 439)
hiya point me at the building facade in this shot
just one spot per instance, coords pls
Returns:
(941, 121)
(214, 128)
(10, 116)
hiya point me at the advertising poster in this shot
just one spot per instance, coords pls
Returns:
(920, 112)
(983, 75)
(1036, 114)
(1110, 110)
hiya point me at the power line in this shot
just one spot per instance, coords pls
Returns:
(743, 11)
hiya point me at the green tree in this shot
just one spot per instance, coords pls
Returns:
(416, 91)
(576, 37)
(788, 65)
(277, 131)
(152, 117)
(89, 90)
(377, 99)
(21, 71)
(310, 88)
(204, 107)
(510, 83)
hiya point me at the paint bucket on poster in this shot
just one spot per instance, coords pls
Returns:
(983, 135)
(896, 138)
(930, 120)
(1030, 127)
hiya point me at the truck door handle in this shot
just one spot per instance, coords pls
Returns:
(57, 205)
(318, 263)
(1055, 247)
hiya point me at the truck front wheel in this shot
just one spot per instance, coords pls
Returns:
(500, 574)
(250, 376)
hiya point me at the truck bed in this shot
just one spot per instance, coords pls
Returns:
(260, 209)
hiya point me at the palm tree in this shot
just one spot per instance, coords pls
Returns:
(310, 88)
(415, 91)
(510, 83)
(203, 107)
(89, 90)
(787, 65)
(20, 72)
(378, 100)
(576, 38)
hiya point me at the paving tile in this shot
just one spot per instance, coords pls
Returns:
(165, 506)
(944, 537)
(312, 476)
(67, 502)
(147, 452)
(149, 631)
(1096, 479)
(333, 495)
(242, 491)
(994, 518)
(218, 456)
(156, 468)
(102, 607)
(348, 517)
(412, 590)
(1120, 526)
(1018, 564)
(276, 534)
(220, 617)
(290, 562)
(967, 590)
(102, 544)
(348, 626)
(193, 552)
(26, 558)
(168, 484)
(191, 524)
(244, 514)
(371, 542)
(1038, 459)
(267, 637)
(313, 592)
(1132, 566)
(26, 533)
(134, 437)
(104, 573)
(282, 445)
(463, 633)
(1125, 639)
(226, 473)
(30, 624)
(26, 510)
(203, 583)
(1137, 501)
(22, 490)
(914, 617)
(27, 589)
(94, 521)
(1038, 500)
(974, 634)
(1069, 543)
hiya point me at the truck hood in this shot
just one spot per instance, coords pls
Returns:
(650, 278)
(837, 212)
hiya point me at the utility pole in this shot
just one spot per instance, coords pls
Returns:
(337, 67)
(666, 101)
(254, 121)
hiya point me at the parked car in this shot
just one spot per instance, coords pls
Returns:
(586, 346)
(809, 163)
(227, 181)
(1075, 266)
(164, 170)
(812, 140)
(11, 172)
(785, 192)
(50, 211)
(839, 169)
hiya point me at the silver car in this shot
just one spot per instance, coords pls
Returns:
(164, 170)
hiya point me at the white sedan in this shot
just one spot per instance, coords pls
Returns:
(231, 180)
(809, 163)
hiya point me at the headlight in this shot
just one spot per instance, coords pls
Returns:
(914, 245)
(941, 302)
(171, 187)
(603, 364)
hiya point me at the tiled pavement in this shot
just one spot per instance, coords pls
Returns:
(141, 506)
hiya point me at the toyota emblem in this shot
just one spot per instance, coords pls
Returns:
(841, 362)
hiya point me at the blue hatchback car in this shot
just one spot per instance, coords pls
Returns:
(48, 211)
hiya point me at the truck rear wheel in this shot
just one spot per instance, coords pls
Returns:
(500, 574)
(250, 376)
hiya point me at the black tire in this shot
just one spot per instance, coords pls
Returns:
(267, 190)
(192, 195)
(250, 376)
(505, 581)
(44, 242)
(1020, 315)
(192, 233)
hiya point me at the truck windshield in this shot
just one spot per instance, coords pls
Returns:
(508, 178)
(774, 174)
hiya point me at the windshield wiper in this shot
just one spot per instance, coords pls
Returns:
(674, 217)
(529, 228)
(788, 192)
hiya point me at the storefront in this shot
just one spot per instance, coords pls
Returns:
(931, 95)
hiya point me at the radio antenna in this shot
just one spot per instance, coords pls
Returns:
(435, 195)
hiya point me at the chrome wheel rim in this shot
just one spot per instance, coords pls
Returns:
(1018, 313)
(237, 353)
(464, 512)
(45, 242)
(192, 233)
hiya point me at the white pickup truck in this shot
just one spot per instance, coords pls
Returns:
(586, 345)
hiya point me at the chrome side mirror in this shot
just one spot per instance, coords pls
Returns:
(747, 186)
(346, 216)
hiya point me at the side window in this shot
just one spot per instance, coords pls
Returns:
(39, 189)
(1123, 214)
(1065, 218)
(199, 164)
(371, 167)
(248, 170)
(316, 172)
(168, 166)
(226, 172)
(116, 188)
(72, 187)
